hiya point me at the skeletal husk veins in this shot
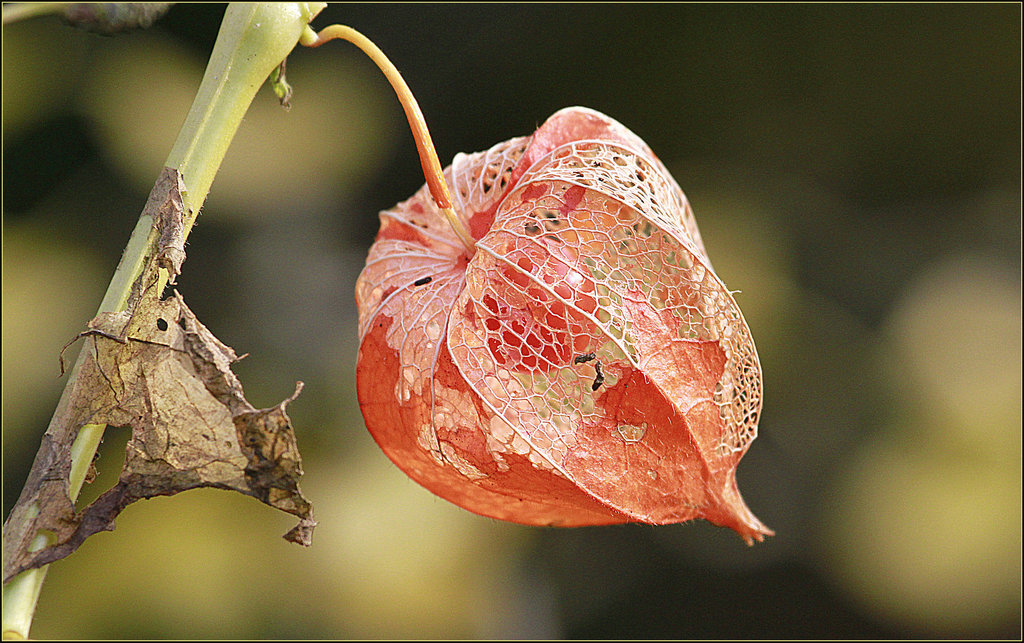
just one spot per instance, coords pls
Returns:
(582, 364)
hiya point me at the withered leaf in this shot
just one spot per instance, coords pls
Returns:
(169, 218)
(157, 369)
(109, 18)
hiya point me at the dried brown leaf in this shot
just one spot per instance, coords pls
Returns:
(157, 369)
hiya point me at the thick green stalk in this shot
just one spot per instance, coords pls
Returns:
(253, 40)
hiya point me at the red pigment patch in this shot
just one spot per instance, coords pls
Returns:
(533, 192)
(573, 196)
(480, 223)
(401, 232)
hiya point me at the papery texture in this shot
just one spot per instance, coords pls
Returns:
(583, 364)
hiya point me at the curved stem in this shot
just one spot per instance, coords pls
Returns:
(424, 144)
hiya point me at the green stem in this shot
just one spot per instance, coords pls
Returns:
(253, 40)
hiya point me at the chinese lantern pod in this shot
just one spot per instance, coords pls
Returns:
(582, 364)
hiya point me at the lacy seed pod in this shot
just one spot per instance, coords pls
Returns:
(578, 362)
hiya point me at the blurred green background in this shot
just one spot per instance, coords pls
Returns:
(856, 173)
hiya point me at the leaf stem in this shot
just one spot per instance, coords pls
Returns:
(253, 40)
(424, 143)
